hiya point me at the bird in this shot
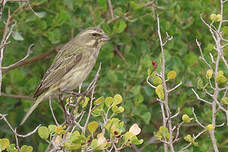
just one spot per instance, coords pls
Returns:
(71, 66)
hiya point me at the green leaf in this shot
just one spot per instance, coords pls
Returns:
(136, 141)
(75, 137)
(72, 146)
(92, 126)
(12, 148)
(54, 36)
(94, 144)
(102, 4)
(119, 26)
(26, 148)
(146, 117)
(43, 132)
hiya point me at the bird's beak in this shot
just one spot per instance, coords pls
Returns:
(105, 37)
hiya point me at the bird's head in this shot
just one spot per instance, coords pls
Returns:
(92, 37)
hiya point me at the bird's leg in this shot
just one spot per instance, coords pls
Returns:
(62, 104)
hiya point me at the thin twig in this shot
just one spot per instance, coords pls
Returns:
(202, 56)
(52, 112)
(197, 119)
(198, 135)
(110, 8)
(197, 96)
(16, 96)
(174, 88)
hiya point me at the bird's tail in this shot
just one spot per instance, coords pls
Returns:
(37, 102)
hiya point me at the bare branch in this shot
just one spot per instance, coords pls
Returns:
(175, 87)
(31, 60)
(202, 56)
(52, 112)
(197, 96)
(110, 8)
(16, 96)
(22, 60)
(197, 119)
(147, 80)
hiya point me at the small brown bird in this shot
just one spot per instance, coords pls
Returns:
(71, 65)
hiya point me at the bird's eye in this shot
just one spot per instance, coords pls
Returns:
(95, 34)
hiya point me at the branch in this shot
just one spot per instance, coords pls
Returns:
(175, 87)
(183, 149)
(202, 56)
(198, 98)
(31, 60)
(16, 135)
(16, 96)
(20, 61)
(197, 119)
(52, 112)
(110, 8)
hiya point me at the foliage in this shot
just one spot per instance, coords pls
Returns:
(134, 48)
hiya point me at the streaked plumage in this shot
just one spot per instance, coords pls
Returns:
(71, 65)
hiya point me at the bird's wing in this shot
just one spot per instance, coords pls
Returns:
(61, 66)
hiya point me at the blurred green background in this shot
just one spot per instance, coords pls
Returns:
(125, 59)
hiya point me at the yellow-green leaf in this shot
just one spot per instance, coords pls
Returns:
(127, 136)
(26, 148)
(115, 109)
(4, 143)
(117, 99)
(120, 109)
(213, 17)
(92, 126)
(157, 80)
(52, 128)
(60, 130)
(171, 75)
(160, 92)
(109, 101)
(72, 146)
(85, 102)
(43, 132)
(186, 118)
(99, 100)
(209, 74)
(221, 79)
(218, 17)
(148, 71)
(210, 127)
(225, 100)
